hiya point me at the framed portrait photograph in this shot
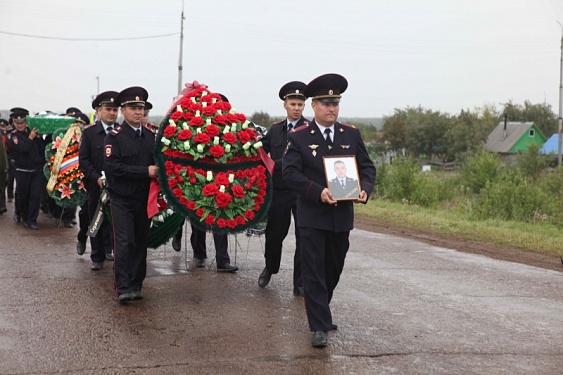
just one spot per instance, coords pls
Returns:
(342, 177)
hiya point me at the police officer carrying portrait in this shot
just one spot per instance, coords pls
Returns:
(28, 151)
(324, 223)
(284, 200)
(91, 161)
(129, 166)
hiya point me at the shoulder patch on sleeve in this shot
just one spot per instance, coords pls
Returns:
(115, 131)
(300, 128)
(349, 126)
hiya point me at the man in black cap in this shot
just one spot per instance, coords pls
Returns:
(284, 200)
(4, 163)
(324, 224)
(28, 152)
(129, 167)
(91, 161)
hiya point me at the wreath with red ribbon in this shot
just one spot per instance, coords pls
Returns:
(211, 164)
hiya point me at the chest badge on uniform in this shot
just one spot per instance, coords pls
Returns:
(314, 148)
(345, 146)
(108, 151)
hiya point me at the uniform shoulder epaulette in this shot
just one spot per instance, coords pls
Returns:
(349, 126)
(116, 130)
(89, 126)
(278, 123)
(304, 126)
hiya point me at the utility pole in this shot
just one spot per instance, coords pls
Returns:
(560, 119)
(181, 49)
(98, 79)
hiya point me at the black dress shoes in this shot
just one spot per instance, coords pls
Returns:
(80, 248)
(199, 263)
(227, 267)
(298, 291)
(30, 226)
(137, 295)
(96, 266)
(69, 225)
(109, 256)
(319, 339)
(2, 210)
(126, 297)
(176, 243)
(264, 278)
(17, 219)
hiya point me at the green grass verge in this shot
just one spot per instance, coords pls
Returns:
(539, 238)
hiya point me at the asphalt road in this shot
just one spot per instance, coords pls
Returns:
(402, 307)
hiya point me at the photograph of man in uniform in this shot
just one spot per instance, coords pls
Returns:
(342, 186)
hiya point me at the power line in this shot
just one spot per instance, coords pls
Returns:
(88, 39)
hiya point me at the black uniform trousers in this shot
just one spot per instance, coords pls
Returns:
(322, 258)
(131, 233)
(284, 204)
(28, 195)
(197, 240)
(102, 244)
(83, 223)
(11, 178)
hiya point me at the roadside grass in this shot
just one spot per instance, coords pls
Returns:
(539, 237)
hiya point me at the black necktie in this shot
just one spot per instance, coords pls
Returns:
(289, 126)
(342, 183)
(110, 128)
(328, 140)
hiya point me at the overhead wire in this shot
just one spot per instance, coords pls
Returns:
(88, 39)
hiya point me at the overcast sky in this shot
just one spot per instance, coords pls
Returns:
(443, 55)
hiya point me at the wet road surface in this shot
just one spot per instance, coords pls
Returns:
(402, 307)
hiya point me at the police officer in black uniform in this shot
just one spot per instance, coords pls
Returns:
(4, 162)
(324, 223)
(129, 166)
(28, 151)
(284, 200)
(91, 161)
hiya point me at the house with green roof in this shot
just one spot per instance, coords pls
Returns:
(511, 138)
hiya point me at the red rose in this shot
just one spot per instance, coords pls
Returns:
(262, 193)
(225, 106)
(241, 118)
(188, 116)
(240, 174)
(249, 172)
(190, 205)
(220, 120)
(178, 192)
(184, 135)
(210, 190)
(259, 199)
(238, 191)
(169, 131)
(217, 151)
(168, 164)
(209, 110)
(193, 180)
(249, 215)
(262, 184)
(169, 172)
(212, 130)
(243, 136)
(230, 138)
(231, 223)
(221, 223)
(199, 212)
(231, 117)
(180, 179)
(172, 183)
(176, 116)
(223, 200)
(196, 121)
(183, 200)
(222, 179)
(210, 219)
(240, 220)
(195, 107)
(202, 138)
(256, 207)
